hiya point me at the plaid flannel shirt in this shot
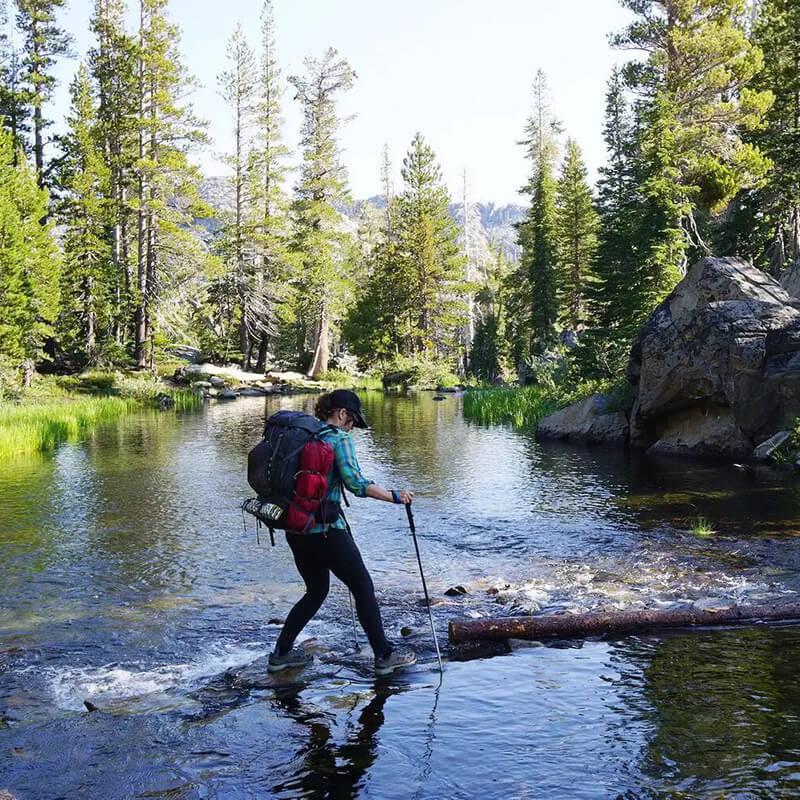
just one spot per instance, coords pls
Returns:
(345, 471)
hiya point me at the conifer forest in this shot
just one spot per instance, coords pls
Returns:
(109, 253)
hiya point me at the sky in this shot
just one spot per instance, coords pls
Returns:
(458, 71)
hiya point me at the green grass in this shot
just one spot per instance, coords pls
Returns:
(338, 379)
(702, 527)
(42, 426)
(522, 406)
(57, 410)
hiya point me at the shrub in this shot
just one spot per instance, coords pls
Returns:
(420, 372)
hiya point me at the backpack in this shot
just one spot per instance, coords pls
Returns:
(288, 469)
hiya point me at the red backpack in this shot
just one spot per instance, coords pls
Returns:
(310, 487)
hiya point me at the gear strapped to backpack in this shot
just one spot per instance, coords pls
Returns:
(289, 470)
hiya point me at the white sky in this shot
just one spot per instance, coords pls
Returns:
(459, 71)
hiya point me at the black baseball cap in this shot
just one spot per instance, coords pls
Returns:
(344, 398)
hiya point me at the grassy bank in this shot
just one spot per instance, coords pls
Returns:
(60, 409)
(523, 406)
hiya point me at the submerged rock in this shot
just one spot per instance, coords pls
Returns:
(456, 591)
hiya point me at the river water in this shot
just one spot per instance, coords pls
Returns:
(128, 580)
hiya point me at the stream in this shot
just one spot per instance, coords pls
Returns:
(130, 580)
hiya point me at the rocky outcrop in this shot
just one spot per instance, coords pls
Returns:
(716, 369)
(717, 365)
(590, 421)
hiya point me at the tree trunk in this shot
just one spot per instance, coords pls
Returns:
(261, 364)
(244, 338)
(28, 371)
(573, 626)
(91, 321)
(319, 364)
(141, 256)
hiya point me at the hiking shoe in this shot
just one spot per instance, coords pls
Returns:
(294, 659)
(399, 657)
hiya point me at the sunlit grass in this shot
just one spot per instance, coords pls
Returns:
(702, 527)
(522, 407)
(339, 379)
(42, 426)
(65, 410)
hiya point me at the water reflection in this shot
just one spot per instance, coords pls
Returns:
(725, 711)
(325, 767)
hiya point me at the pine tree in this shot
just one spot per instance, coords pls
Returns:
(374, 323)
(764, 225)
(270, 205)
(538, 311)
(13, 99)
(429, 261)
(615, 301)
(318, 243)
(85, 320)
(489, 356)
(577, 236)
(167, 184)
(694, 103)
(113, 63)
(238, 90)
(29, 292)
(44, 42)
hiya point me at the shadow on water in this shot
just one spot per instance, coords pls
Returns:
(324, 767)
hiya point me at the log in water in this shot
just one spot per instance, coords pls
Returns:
(575, 626)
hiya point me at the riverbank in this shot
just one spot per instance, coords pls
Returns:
(56, 409)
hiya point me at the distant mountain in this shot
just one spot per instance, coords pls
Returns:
(491, 227)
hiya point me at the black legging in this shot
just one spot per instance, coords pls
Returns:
(316, 556)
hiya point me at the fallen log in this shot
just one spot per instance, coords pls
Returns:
(576, 626)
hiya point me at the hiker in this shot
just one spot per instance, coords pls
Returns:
(331, 548)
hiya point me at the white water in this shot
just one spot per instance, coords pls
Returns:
(113, 683)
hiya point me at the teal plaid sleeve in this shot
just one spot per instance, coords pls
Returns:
(347, 465)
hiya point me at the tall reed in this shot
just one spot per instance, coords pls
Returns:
(40, 427)
(521, 407)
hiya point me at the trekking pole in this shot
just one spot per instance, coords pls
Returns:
(424, 585)
(353, 615)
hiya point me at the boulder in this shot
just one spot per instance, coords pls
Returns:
(710, 432)
(217, 382)
(589, 421)
(188, 353)
(717, 364)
